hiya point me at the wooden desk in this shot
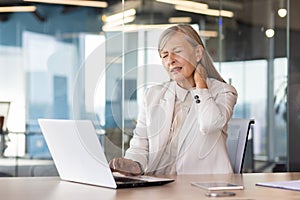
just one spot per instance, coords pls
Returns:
(52, 188)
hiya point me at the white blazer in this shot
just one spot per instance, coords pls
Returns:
(202, 141)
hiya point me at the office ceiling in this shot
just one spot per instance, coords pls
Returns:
(254, 12)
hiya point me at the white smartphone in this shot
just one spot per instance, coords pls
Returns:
(211, 186)
(220, 194)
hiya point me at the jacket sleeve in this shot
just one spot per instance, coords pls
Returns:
(215, 107)
(139, 144)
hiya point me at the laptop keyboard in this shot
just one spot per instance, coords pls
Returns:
(127, 180)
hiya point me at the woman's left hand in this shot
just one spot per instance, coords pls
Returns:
(125, 166)
(200, 76)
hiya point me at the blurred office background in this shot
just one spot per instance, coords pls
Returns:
(94, 61)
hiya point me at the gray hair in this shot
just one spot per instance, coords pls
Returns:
(194, 39)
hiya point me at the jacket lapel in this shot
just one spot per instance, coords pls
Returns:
(167, 104)
(161, 120)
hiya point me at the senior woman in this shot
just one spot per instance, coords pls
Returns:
(181, 127)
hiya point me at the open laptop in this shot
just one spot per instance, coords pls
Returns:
(79, 157)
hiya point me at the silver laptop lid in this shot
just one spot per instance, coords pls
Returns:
(77, 152)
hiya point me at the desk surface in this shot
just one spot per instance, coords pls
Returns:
(52, 188)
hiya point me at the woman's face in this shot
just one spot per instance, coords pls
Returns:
(180, 58)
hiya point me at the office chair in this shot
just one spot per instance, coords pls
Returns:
(4, 111)
(2, 143)
(238, 131)
(2, 138)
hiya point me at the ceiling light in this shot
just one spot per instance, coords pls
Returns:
(18, 9)
(136, 27)
(282, 12)
(208, 33)
(270, 33)
(120, 15)
(99, 4)
(211, 12)
(118, 22)
(180, 20)
(118, 19)
(193, 4)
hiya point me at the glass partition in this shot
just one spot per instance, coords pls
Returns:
(87, 63)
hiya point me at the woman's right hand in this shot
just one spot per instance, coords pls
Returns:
(125, 166)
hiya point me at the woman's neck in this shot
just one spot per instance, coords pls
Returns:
(186, 84)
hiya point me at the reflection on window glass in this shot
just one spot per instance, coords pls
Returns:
(50, 75)
(12, 86)
(250, 80)
(95, 77)
(280, 107)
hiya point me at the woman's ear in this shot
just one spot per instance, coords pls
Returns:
(199, 50)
